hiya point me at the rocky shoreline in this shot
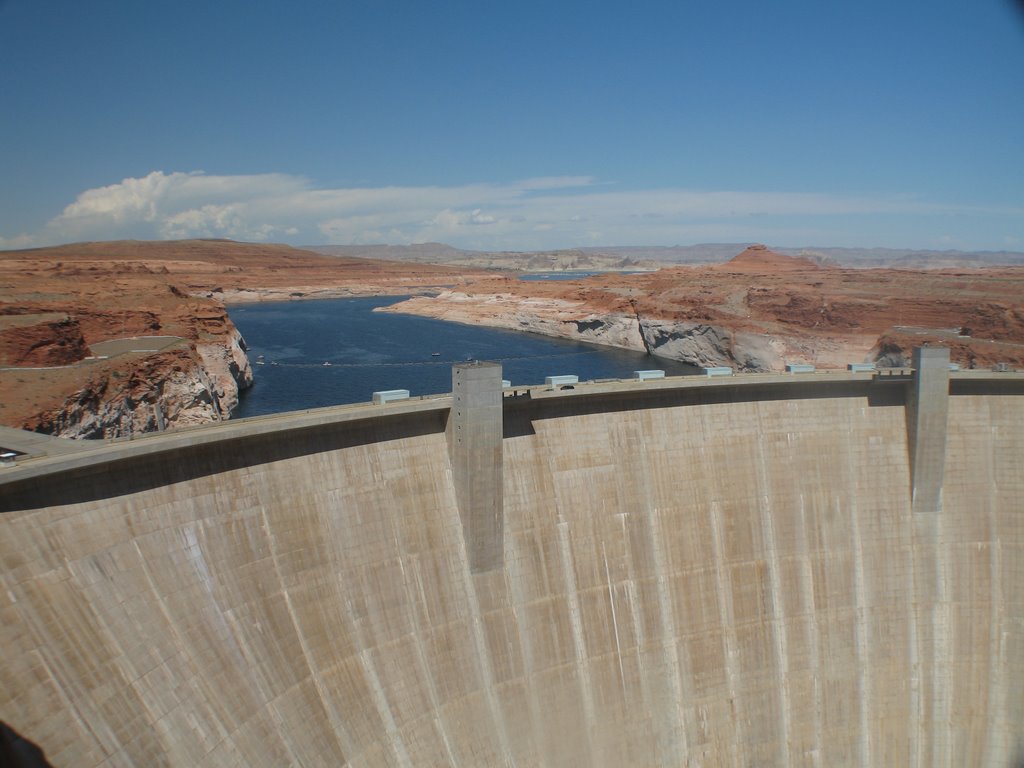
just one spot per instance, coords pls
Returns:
(756, 312)
(760, 311)
(74, 323)
(698, 344)
(189, 383)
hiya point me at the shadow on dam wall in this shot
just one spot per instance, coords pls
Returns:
(699, 574)
(136, 474)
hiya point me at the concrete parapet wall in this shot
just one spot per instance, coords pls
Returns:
(717, 574)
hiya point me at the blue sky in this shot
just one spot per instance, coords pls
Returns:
(518, 125)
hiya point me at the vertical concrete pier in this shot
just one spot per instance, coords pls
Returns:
(927, 412)
(474, 445)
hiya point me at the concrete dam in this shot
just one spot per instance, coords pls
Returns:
(761, 570)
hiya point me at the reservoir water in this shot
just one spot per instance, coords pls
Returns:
(536, 276)
(309, 354)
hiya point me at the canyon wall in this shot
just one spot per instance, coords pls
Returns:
(697, 343)
(186, 385)
(50, 339)
(75, 320)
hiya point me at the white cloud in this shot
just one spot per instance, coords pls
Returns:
(17, 242)
(555, 182)
(528, 214)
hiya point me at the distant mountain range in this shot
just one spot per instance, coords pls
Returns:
(632, 257)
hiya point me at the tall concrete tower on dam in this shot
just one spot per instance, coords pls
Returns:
(814, 570)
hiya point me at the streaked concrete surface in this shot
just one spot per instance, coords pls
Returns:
(722, 572)
(475, 443)
(927, 423)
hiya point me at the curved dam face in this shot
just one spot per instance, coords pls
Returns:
(700, 573)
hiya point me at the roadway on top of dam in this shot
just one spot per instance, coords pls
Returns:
(44, 454)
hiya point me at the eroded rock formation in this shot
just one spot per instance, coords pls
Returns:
(754, 313)
(31, 340)
(759, 311)
(113, 339)
(186, 386)
(706, 345)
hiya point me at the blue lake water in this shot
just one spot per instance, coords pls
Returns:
(370, 351)
(531, 276)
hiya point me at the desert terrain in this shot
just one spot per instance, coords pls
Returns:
(631, 258)
(113, 339)
(761, 310)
